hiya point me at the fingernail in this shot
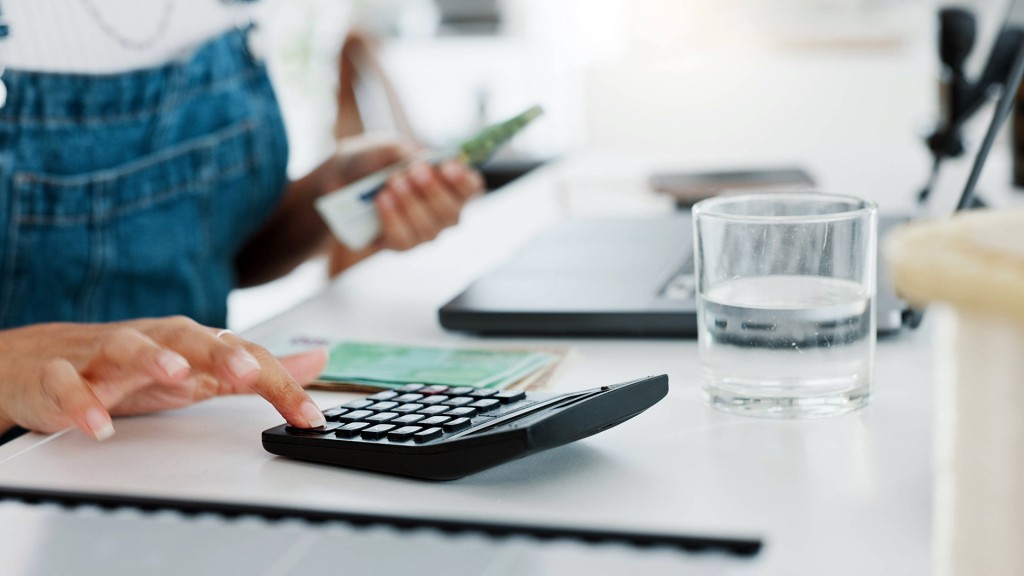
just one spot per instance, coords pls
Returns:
(387, 201)
(99, 424)
(400, 185)
(172, 363)
(242, 364)
(313, 415)
(451, 170)
(421, 173)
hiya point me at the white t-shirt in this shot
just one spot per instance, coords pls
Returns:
(108, 36)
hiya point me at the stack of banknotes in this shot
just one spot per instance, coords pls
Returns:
(370, 365)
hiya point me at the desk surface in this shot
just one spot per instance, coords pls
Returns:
(848, 495)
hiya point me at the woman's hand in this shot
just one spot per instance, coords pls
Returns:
(414, 206)
(53, 376)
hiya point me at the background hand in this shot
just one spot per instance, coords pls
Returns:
(415, 205)
(59, 375)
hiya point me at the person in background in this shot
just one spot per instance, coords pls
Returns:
(143, 177)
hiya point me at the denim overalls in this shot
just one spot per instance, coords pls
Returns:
(129, 195)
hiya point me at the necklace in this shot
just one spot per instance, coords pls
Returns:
(126, 42)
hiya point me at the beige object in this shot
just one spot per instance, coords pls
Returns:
(974, 262)
(974, 266)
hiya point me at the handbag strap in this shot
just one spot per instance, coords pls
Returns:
(358, 62)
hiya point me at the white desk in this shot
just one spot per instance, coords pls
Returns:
(848, 495)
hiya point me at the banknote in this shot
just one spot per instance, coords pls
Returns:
(388, 365)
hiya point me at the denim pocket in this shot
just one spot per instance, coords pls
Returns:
(145, 238)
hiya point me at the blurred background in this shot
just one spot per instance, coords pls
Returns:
(643, 79)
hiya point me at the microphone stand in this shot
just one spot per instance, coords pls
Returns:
(962, 98)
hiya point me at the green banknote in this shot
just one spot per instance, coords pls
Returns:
(478, 149)
(386, 365)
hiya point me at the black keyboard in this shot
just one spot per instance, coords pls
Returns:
(443, 433)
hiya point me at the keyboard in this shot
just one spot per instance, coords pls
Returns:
(443, 433)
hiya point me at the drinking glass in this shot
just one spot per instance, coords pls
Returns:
(785, 302)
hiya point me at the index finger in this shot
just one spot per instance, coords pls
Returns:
(277, 386)
(463, 179)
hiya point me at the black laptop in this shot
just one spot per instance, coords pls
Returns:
(615, 277)
(634, 277)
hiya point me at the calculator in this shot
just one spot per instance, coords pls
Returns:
(444, 433)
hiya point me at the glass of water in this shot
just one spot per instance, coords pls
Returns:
(785, 302)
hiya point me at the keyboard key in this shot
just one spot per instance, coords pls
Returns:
(427, 435)
(435, 410)
(382, 417)
(407, 408)
(509, 396)
(456, 425)
(354, 416)
(376, 432)
(437, 389)
(382, 406)
(408, 419)
(461, 401)
(403, 434)
(465, 411)
(461, 391)
(431, 400)
(334, 413)
(351, 429)
(357, 404)
(408, 398)
(486, 393)
(382, 396)
(411, 388)
(434, 421)
(486, 405)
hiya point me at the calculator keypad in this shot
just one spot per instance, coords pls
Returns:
(416, 413)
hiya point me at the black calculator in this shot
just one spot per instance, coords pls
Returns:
(443, 433)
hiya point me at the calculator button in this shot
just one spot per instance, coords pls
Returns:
(351, 429)
(456, 425)
(376, 432)
(461, 390)
(483, 393)
(465, 411)
(427, 435)
(408, 398)
(407, 408)
(508, 396)
(411, 388)
(408, 419)
(327, 429)
(436, 389)
(334, 413)
(382, 396)
(434, 421)
(462, 401)
(382, 406)
(382, 417)
(357, 404)
(435, 410)
(403, 434)
(431, 400)
(486, 405)
(354, 415)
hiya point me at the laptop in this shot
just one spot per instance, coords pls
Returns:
(608, 277)
(634, 277)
